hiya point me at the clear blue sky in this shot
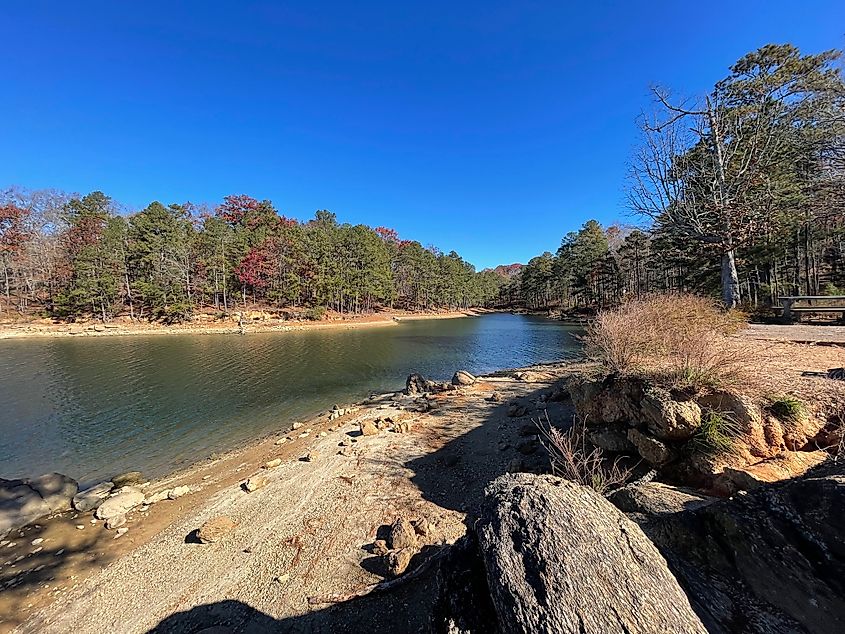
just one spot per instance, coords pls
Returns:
(491, 128)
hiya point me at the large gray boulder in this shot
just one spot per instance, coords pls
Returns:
(560, 558)
(771, 561)
(25, 501)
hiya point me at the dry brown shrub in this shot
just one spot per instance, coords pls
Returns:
(683, 340)
(574, 458)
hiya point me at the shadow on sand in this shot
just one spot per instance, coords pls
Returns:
(454, 477)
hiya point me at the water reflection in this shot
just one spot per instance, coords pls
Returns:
(88, 407)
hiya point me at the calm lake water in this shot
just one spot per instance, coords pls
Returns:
(93, 407)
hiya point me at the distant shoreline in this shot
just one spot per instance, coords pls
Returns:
(44, 329)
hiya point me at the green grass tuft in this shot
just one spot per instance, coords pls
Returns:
(716, 435)
(789, 408)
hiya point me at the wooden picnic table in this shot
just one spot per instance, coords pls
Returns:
(815, 305)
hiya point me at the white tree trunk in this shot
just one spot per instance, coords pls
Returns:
(730, 280)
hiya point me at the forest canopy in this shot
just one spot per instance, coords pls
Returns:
(76, 256)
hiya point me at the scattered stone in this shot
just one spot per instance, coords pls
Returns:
(272, 464)
(402, 427)
(115, 522)
(516, 410)
(462, 377)
(296, 425)
(37, 550)
(496, 397)
(402, 534)
(80, 527)
(157, 497)
(311, 456)
(255, 482)
(422, 527)
(177, 492)
(281, 578)
(398, 560)
(215, 529)
(91, 498)
(127, 479)
(380, 547)
(416, 384)
(368, 428)
(304, 434)
(37, 540)
(323, 434)
(281, 441)
(121, 532)
(126, 499)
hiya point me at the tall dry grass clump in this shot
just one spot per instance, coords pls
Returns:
(684, 340)
(574, 458)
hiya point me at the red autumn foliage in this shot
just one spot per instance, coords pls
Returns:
(387, 234)
(13, 232)
(236, 209)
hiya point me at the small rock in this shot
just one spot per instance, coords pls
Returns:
(398, 560)
(380, 547)
(496, 397)
(462, 377)
(91, 498)
(272, 464)
(346, 451)
(126, 499)
(296, 425)
(422, 527)
(37, 540)
(215, 529)
(304, 434)
(255, 482)
(281, 441)
(127, 479)
(121, 532)
(311, 456)
(115, 522)
(80, 527)
(368, 428)
(281, 578)
(323, 434)
(177, 492)
(402, 427)
(402, 534)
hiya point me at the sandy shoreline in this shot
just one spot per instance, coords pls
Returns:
(71, 555)
(25, 330)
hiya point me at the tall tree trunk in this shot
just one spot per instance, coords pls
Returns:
(730, 279)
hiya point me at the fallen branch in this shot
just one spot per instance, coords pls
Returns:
(381, 586)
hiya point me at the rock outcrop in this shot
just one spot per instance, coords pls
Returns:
(669, 429)
(560, 558)
(770, 561)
